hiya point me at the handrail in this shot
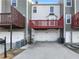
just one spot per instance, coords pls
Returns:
(15, 18)
(46, 23)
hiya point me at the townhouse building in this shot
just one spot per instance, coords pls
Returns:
(11, 24)
(71, 21)
(13, 18)
(50, 22)
(39, 22)
(46, 22)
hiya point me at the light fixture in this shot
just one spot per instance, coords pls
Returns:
(52, 16)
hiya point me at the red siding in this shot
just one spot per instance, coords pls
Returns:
(75, 20)
(17, 18)
(5, 19)
(38, 24)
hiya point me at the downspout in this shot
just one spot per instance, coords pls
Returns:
(64, 21)
(27, 28)
(75, 6)
(26, 22)
(71, 33)
(71, 21)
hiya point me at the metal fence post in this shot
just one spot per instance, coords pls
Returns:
(5, 53)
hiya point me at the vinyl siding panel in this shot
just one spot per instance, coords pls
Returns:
(77, 5)
(21, 6)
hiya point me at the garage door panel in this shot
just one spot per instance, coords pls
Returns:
(75, 36)
(48, 35)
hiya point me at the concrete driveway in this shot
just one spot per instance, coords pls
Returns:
(47, 51)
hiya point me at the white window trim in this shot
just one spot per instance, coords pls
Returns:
(70, 18)
(12, 2)
(53, 10)
(67, 5)
(33, 10)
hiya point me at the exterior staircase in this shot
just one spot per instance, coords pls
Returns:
(15, 18)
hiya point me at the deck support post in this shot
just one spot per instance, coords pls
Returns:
(10, 36)
(30, 36)
(71, 35)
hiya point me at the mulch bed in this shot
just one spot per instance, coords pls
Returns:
(11, 53)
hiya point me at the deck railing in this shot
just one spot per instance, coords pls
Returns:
(5, 18)
(46, 24)
(14, 18)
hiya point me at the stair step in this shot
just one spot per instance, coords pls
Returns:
(72, 46)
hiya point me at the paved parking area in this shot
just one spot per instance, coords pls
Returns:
(47, 51)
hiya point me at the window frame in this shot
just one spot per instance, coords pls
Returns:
(51, 9)
(67, 4)
(34, 9)
(13, 2)
(68, 15)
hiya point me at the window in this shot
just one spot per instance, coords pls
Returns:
(34, 10)
(13, 2)
(68, 18)
(51, 9)
(69, 3)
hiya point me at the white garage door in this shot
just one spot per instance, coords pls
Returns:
(75, 36)
(46, 35)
